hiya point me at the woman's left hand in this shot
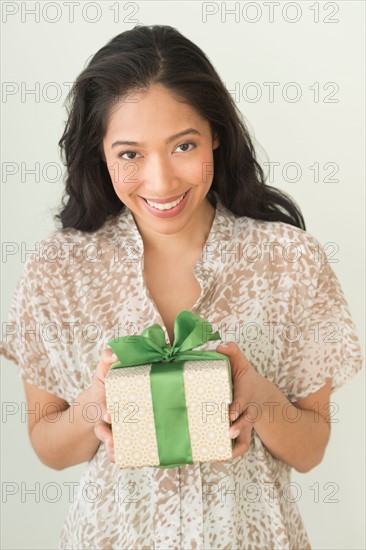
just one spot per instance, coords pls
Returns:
(250, 391)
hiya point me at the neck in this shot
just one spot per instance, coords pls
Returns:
(193, 235)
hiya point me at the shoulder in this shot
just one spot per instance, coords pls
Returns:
(275, 248)
(262, 231)
(66, 253)
(277, 237)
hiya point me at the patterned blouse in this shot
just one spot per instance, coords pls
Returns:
(265, 285)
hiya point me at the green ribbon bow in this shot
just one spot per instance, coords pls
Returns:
(166, 378)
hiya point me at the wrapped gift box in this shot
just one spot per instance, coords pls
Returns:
(171, 409)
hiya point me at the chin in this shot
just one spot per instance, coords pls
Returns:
(170, 225)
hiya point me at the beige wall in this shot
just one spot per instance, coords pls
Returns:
(309, 131)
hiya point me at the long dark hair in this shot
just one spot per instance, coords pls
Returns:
(136, 59)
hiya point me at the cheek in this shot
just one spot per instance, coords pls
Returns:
(199, 171)
(125, 177)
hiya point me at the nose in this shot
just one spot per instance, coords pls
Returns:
(159, 177)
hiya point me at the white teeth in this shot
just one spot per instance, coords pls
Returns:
(167, 205)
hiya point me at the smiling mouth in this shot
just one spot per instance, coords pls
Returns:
(165, 204)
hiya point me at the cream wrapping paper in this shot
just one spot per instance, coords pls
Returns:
(208, 395)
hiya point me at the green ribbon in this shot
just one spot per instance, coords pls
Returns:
(166, 378)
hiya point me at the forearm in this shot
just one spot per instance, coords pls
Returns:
(66, 438)
(296, 436)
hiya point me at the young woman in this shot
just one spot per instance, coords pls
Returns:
(166, 209)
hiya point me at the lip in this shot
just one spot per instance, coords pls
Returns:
(167, 213)
(164, 201)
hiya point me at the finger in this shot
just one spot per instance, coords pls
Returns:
(245, 421)
(98, 398)
(240, 410)
(106, 359)
(252, 413)
(242, 443)
(103, 432)
(110, 453)
(107, 417)
(235, 410)
(239, 363)
(239, 366)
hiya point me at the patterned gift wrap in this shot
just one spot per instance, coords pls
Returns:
(208, 394)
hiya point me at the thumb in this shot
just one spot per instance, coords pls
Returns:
(106, 359)
(238, 361)
(239, 365)
(228, 348)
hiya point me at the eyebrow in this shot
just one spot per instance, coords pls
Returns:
(168, 140)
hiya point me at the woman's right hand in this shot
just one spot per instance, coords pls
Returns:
(102, 427)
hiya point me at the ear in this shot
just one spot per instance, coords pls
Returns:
(216, 142)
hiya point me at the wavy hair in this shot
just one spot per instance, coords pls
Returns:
(137, 59)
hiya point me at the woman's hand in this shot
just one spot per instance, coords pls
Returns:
(102, 427)
(250, 391)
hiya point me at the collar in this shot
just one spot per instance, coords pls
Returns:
(222, 229)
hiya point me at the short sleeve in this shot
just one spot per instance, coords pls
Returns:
(331, 347)
(30, 337)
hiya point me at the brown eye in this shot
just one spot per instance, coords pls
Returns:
(187, 144)
(127, 153)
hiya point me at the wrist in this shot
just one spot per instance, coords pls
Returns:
(266, 392)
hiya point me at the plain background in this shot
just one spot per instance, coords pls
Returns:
(326, 125)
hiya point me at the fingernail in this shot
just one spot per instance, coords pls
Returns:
(114, 358)
(107, 418)
(234, 415)
(235, 434)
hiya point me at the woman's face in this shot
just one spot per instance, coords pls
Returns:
(157, 164)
